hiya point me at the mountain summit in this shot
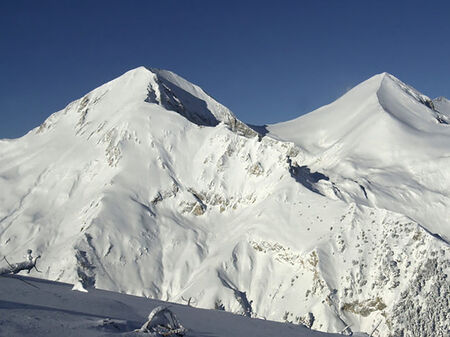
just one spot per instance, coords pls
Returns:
(148, 186)
(161, 87)
(382, 144)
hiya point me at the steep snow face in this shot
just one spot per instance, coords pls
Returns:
(125, 191)
(190, 100)
(381, 144)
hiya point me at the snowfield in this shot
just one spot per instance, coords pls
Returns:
(51, 309)
(149, 187)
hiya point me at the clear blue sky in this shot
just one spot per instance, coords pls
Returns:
(268, 61)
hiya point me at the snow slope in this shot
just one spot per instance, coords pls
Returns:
(40, 308)
(150, 187)
(382, 145)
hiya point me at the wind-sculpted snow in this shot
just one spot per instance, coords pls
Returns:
(148, 186)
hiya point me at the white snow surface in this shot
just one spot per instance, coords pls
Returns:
(148, 186)
(381, 146)
(40, 308)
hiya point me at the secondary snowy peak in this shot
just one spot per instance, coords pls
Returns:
(373, 118)
(382, 144)
(379, 98)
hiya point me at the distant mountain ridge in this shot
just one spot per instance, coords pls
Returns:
(148, 186)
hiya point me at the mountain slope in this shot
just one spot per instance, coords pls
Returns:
(383, 145)
(148, 186)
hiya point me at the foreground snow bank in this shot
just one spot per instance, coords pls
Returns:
(36, 307)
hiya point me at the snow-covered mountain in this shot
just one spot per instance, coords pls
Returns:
(148, 186)
(383, 145)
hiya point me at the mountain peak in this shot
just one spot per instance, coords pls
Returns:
(129, 95)
(381, 122)
(377, 79)
(164, 88)
(385, 80)
(175, 93)
(381, 99)
(191, 101)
